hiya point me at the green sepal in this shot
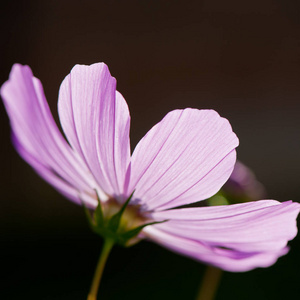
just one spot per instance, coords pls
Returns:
(122, 238)
(218, 199)
(110, 229)
(88, 214)
(126, 236)
(114, 222)
(98, 213)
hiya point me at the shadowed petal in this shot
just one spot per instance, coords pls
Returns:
(253, 229)
(95, 119)
(36, 136)
(185, 158)
(59, 183)
(227, 260)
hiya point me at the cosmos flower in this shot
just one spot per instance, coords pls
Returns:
(185, 158)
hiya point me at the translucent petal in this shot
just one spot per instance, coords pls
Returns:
(96, 121)
(239, 231)
(185, 158)
(38, 139)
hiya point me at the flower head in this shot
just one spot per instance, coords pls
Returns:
(185, 158)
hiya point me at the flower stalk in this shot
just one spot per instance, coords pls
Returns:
(210, 283)
(107, 246)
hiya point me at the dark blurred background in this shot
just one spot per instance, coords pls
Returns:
(241, 58)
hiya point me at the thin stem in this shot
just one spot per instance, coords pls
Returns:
(209, 284)
(108, 244)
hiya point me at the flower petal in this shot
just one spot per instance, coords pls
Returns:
(222, 258)
(96, 121)
(241, 232)
(47, 174)
(185, 158)
(36, 136)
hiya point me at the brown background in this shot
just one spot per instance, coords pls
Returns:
(241, 58)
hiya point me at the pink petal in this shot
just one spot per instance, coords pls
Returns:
(185, 158)
(96, 121)
(37, 137)
(247, 235)
(61, 185)
(227, 260)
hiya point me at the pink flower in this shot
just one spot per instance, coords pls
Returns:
(185, 158)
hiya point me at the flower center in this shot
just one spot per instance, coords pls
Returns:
(120, 223)
(131, 217)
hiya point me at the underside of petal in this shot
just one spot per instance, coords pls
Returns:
(221, 258)
(236, 237)
(185, 158)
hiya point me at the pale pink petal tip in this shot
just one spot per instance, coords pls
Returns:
(235, 238)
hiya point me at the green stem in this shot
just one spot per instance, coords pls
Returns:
(209, 284)
(108, 244)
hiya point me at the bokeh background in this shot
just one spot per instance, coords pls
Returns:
(241, 58)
